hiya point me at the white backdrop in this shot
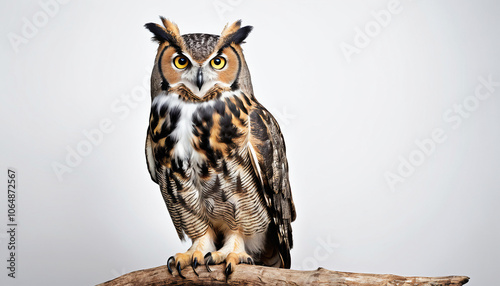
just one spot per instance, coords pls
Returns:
(390, 110)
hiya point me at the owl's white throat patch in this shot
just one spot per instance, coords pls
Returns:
(183, 133)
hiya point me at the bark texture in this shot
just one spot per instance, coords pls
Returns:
(258, 275)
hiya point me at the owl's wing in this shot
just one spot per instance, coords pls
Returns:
(150, 160)
(268, 154)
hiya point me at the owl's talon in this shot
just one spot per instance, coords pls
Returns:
(228, 271)
(194, 265)
(250, 261)
(170, 259)
(179, 270)
(208, 260)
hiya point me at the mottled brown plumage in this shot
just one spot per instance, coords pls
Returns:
(217, 154)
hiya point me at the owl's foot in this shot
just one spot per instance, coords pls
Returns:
(232, 253)
(194, 256)
(231, 260)
(181, 260)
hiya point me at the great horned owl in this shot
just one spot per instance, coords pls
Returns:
(217, 154)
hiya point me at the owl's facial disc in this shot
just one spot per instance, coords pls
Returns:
(200, 76)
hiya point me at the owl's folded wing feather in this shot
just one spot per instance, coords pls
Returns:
(268, 153)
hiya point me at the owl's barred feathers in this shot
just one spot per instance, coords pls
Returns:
(200, 46)
(217, 154)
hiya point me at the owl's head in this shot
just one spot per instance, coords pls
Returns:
(199, 64)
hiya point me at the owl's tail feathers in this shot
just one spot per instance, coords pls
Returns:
(272, 258)
(278, 257)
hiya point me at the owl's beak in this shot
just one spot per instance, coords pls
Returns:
(199, 79)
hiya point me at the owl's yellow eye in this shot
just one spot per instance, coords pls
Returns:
(218, 63)
(181, 62)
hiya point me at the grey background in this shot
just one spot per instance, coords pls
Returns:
(346, 123)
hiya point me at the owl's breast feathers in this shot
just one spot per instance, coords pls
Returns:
(183, 127)
(201, 148)
(221, 163)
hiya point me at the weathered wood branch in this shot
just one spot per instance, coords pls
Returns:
(259, 275)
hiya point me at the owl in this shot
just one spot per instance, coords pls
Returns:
(216, 153)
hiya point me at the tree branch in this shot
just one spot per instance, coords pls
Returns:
(258, 275)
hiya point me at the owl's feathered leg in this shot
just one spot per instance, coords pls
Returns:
(232, 252)
(194, 255)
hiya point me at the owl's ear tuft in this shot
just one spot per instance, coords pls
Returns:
(234, 34)
(170, 26)
(160, 35)
(169, 33)
(230, 29)
(240, 35)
